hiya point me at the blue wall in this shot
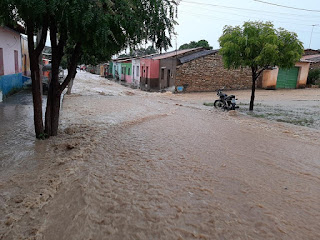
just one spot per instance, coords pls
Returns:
(10, 82)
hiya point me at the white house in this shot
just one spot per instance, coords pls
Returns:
(136, 72)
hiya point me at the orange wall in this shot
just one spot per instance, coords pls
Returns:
(303, 74)
(269, 78)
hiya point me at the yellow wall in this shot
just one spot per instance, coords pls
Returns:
(102, 70)
(25, 57)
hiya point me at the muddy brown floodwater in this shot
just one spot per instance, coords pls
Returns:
(134, 165)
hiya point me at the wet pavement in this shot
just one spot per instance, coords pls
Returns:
(134, 165)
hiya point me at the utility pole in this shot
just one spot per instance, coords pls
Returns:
(311, 33)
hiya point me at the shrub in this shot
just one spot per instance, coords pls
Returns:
(313, 76)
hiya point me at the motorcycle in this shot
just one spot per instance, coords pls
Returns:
(225, 102)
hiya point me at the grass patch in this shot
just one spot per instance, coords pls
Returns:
(257, 115)
(208, 104)
(300, 122)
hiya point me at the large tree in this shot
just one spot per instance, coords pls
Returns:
(259, 46)
(31, 14)
(96, 29)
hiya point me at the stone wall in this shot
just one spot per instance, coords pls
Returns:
(208, 74)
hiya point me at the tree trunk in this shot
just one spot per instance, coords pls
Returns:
(253, 89)
(36, 96)
(53, 107)
(54, 95)
(70, 86)
(35, 76)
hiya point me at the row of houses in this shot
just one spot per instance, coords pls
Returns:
(196, 69)
(199, 69)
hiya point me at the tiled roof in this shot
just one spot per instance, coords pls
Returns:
(196, 55)
(174, 53)
(311, 58)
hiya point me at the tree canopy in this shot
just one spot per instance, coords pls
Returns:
(201, 43)
(259, 45)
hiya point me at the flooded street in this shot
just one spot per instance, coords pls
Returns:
(129, 164)
(18, 144)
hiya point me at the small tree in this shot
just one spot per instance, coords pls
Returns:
(259, 46)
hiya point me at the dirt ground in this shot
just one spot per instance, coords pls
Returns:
(135, 165)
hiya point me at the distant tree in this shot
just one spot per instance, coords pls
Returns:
(193, 44)
(146, 51)
(259, 46)
(94, 31)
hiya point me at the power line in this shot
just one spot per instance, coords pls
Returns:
(233, 20)
(238, 8)
(264, 16)
(278, 5)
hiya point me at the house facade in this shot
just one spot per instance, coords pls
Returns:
(159, 71)
(126, 71)
(116, 69)
(25, 57)
(149, 74)
(10, 62)
(295, 77)
(204, 71)
(136, 72)
(168, 66)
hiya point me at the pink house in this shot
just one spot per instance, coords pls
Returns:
(149, 75)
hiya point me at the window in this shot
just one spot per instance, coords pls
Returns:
(138, 71)
(128, 71)
(16, 63)
(1, 62)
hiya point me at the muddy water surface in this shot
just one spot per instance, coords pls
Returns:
(132, 165)
(18, 145)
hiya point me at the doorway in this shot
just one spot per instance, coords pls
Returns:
(168, 78)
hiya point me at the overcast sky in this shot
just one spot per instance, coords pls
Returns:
(205, 19)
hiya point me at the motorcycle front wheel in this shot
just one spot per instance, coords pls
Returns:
(218, 104)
